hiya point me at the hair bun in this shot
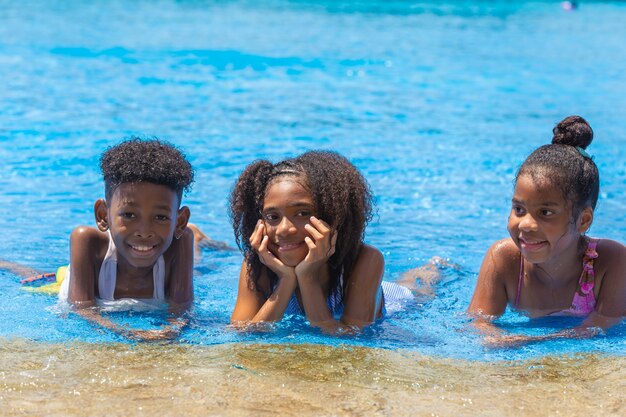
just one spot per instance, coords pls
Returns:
(573, 131)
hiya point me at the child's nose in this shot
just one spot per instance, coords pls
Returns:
(528, 223)
(285, 227)
(144, 231)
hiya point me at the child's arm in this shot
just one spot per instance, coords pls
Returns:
(87, 250)
(180, 284)
(362, 297)
(251, 305)
(169, 331)
(490, 296)
(611, 304)
(17, 269)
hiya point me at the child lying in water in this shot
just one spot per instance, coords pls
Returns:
(548, 266)
(141, 248)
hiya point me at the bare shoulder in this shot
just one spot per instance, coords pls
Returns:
(85, 240)
(610, 248)
(180, 248)
(611, 258)
(504, 250)
(610, 268)
(497, 279)
(370, 253)
(501, 263)
(88, 247)
(368, 268)
(179, 266)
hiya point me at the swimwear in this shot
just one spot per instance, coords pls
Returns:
(394, 298)
(108, 277)
(584, 301)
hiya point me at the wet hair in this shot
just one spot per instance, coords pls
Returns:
(566, 165)
(341, 196)
(146, 160)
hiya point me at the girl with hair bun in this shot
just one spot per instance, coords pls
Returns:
(548, 265)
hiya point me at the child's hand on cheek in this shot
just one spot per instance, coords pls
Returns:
(259, 241)
(321, 243)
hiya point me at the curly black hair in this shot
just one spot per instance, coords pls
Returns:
(566, 165)
(341, 195)
(146, 160)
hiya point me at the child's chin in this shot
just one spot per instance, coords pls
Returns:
(291, 261)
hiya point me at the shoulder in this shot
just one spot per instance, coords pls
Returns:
(370, 262)
(501, 263)
(504, 250)
(369, 267)
(179, 257)
(611, 258)
(88, 239)
(180, 248)
(502, 255)
(610, 268)
(88, 233)
(369, 253)
(610, 248)
(497, 279)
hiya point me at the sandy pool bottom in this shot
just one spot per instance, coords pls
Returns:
(79, 379)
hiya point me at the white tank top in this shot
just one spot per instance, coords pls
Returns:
(108, 276)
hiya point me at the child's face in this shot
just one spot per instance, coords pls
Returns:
(286, 209)
(142, 219)
(540, 222)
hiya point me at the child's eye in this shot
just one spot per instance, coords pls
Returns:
(304, 213)
(128, 215)
(519, 211)
(161, 217)
(270, 218)
(546, 212)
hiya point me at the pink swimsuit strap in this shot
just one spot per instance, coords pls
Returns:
(584, 300)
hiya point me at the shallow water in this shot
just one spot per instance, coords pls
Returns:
(436, 102)
(259, 379)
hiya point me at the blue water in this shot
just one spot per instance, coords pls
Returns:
(436, 102)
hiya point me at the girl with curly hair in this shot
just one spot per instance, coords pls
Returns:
(300, 224)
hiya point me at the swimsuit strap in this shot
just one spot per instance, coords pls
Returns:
(586, 281)
(108, 273)
(158, 279)
(519, 280)
(107, 277)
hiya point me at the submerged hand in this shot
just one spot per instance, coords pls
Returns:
(507, 340)
(321, 243)
(167, 333)
(259, 241)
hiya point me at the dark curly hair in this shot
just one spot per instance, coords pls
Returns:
(146, 160)
(566, 165)
(341, 195)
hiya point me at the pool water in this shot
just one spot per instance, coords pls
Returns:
(437, 103)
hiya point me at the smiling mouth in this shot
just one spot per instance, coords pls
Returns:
(286, 247)
(143, 250)
(532, 244)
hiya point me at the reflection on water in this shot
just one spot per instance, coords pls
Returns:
(256, 379)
